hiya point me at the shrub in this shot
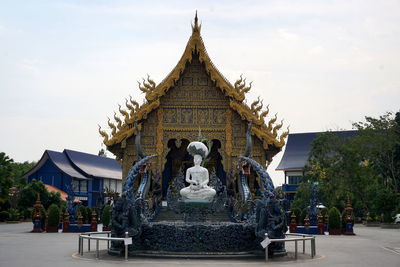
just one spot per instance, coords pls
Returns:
(14, 215)
(334, 221)
(106, 216)
(4, 215)
(387, 218)
(303, 215)
(88, 215)
(53, 215)
(372, 215)
(27, 213)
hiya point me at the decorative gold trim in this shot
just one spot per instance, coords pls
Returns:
(160, 135)
(228, 132)
(195, 45)
(192, 129)
(196, 106)
(228, 136)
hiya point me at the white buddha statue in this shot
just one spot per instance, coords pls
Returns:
(197, 176)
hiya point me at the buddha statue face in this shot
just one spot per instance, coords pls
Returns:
(197, 160)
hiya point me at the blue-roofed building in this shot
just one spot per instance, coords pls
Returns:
(295, 158)
(90, 174)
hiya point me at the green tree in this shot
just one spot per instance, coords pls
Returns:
(359, 168)
(29, 194)
(382, 139)
(302, 197)
(11, 181)
(6, 181)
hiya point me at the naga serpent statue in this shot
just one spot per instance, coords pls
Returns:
(127, 213)
(270, 218)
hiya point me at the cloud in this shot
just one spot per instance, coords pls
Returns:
(315, 50)
(30, 66)
(289, 36)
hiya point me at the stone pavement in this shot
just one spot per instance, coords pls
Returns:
(372, 246)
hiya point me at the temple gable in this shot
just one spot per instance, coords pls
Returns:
(193, 96)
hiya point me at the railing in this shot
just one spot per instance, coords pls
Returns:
(298, 237)
(93, 235)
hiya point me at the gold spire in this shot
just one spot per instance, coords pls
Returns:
(196, 27)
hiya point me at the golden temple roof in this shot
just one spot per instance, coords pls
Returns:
(265, 131)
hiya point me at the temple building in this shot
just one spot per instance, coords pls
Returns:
(296, 156)
(194, 101)
(88, 174)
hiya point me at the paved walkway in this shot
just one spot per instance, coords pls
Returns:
(371, 247)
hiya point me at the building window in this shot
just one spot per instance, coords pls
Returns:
(294, 179)
(119, 186)
(80, 185)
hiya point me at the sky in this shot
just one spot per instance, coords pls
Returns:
(65, 65)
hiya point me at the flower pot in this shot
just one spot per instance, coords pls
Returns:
(51, 229)
(336, 231)
(106, 228)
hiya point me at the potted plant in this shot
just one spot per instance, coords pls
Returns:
(88, 215)
(106, 218)
(334, 221)
(53, 219)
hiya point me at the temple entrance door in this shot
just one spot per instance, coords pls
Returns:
(177, 159)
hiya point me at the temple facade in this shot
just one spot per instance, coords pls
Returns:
(194, 101)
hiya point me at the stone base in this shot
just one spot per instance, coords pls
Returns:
(195, 210)
(194, 237)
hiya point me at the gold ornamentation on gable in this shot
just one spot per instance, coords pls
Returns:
(266, 132)
(118, 120)
(160, 132)
(148, 87)
(104, 134)
(112, 126)
(228, 132)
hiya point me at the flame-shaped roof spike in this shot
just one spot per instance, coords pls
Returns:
(196, 27)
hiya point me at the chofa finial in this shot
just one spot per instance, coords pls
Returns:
(196, 27)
